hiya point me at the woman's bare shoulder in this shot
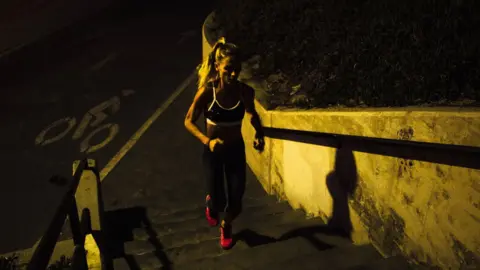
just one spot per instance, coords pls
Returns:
(203, 94)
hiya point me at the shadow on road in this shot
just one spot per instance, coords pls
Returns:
(254, 239)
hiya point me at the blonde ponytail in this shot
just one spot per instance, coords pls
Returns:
(207, 69)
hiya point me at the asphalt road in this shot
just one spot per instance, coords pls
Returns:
(131, 60)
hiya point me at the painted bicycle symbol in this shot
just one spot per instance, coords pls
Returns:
(92, 119)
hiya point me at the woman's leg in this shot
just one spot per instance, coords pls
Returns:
(235, 167)
(235, 171)
(215, 198)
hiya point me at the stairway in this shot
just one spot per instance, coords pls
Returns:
(270, 235)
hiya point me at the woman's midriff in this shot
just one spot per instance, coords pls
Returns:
(227, 134)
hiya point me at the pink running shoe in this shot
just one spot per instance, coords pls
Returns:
(226, 239)
(212, 218)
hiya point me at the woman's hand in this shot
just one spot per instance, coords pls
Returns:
(259, 143)
(214, 144)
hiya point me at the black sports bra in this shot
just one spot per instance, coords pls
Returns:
(218, 115)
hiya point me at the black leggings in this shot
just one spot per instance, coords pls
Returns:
(227, 166)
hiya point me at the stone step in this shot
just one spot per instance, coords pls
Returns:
(122, 225)
(337, 258)
(197, 211)
(273, 255)
(391, 263)
(195, 221)
(172, 216)
(120, 264)
(148, 241)
(153, 253)
(189, 252)
(285, 226)
(196, 255)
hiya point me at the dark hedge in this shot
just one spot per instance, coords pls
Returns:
(376, 53)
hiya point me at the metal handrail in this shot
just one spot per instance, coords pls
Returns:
(68, 207)
(447, 154)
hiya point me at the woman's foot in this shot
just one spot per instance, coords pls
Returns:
(226, 237)
(212, 217)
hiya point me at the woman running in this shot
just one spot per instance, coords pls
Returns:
(224, 101)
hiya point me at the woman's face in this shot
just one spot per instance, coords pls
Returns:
(228, 70)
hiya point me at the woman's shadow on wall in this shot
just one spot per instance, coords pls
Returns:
(341, 184)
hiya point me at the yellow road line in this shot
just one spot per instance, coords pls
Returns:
(133, 140)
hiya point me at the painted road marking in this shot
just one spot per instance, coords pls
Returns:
(100, 115)
(62, 246)
(92, 118)
(133, 140)
(85, 146)
(40, 139)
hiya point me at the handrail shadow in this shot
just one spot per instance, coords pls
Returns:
(121, 223)
(68, 207)
(82, 204)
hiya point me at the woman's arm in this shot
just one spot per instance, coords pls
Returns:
(193, 114)
(248, 95)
